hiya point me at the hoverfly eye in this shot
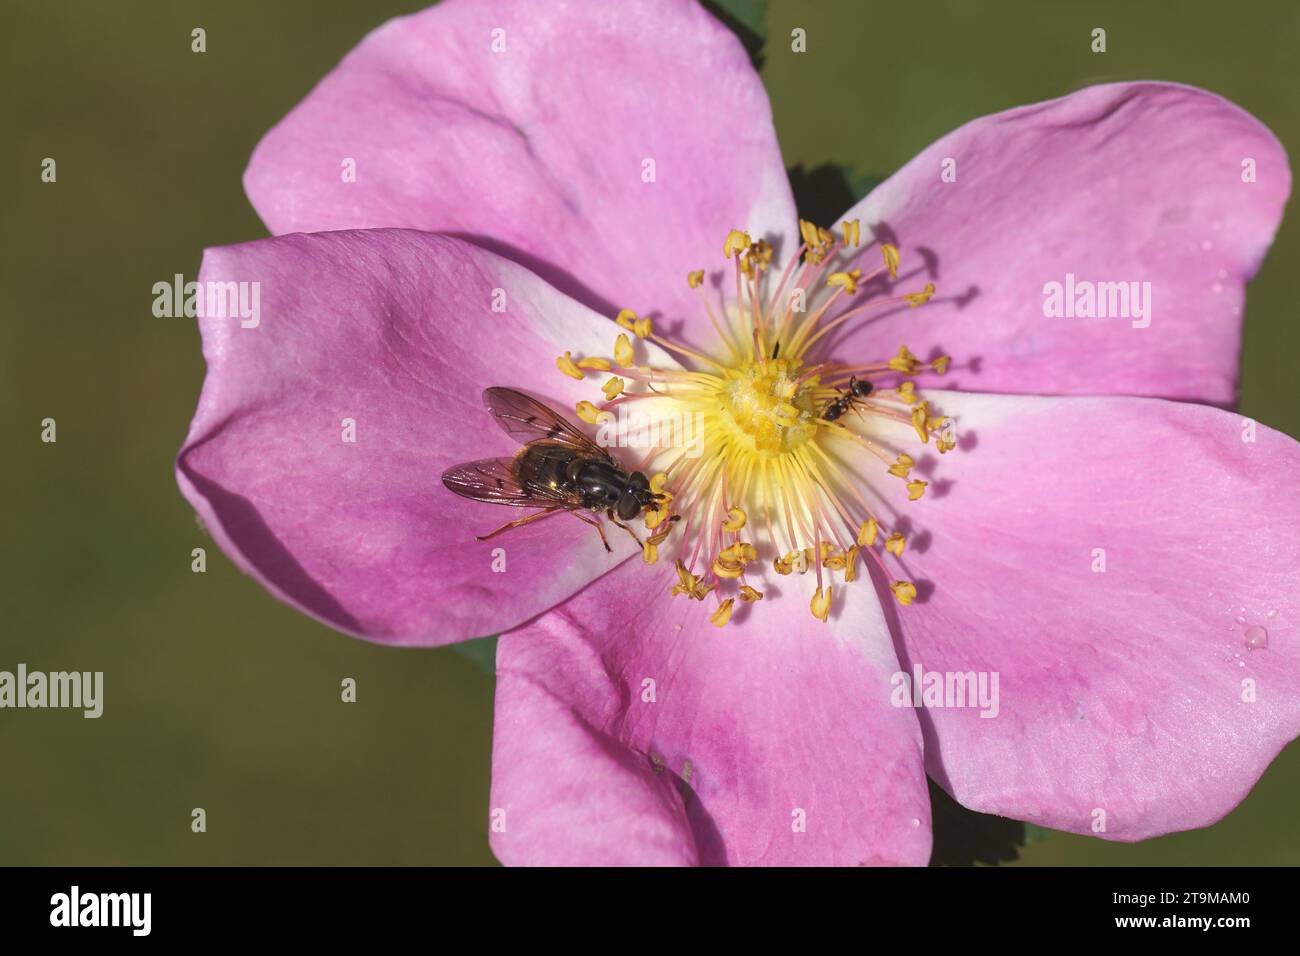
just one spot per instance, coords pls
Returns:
(628, 505)
(638, 482)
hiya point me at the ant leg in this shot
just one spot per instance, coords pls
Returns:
(599, 530)
(610, 515)
(515, 524)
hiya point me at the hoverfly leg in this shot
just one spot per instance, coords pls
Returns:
(515, 524)
(599, 530)
(612, 517)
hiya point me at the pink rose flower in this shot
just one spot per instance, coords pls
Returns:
(1105, 564)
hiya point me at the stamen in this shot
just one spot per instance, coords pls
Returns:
(770, 425)
(565, 363)
(820, 605)
(905, 591)
(852, 232)
(736, 243)
(892, 259)
(723, 613)
(623, 356)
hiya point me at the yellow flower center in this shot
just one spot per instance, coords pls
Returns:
(769, 411)
(757, 444)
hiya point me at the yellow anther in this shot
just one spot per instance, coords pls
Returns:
(654, 517)
(852, 232)
(741, 552)
(848, 281)
(736, 519)
(904, 361)
(660, 536)
(695, 279)
(895, 544)
(799, 560)
(590, 414)
(809, 232)
(650, 552)
(851, 564)
(623, 351)
(612, 388)
(565, 363)
(915, 489)
(723, 613)
(919, 416)
(867, 533)
(820, 605)
(905, 591)
(890, 254)
(818, 240)
(726, 569)
(658, 483)
(757, 257)
(643, 328)
(599, 364)
(737, 242)
(907, 393)
(940, 364)
(782, 565)
(901, 467)
(749, 595)
(690, 585)
(834, 561)
(626, 318)
(920, 298)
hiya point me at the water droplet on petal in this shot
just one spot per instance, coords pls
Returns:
(915, 822)
(1240, 619)
(1256, 638)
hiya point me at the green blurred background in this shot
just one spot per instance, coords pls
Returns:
(218, 696)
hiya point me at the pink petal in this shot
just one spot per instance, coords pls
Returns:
(750, 725)
(538, 152)
(1127, 182)
(394, 330)
(1122, 690)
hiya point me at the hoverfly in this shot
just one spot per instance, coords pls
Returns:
(558, 469)
(848, 397)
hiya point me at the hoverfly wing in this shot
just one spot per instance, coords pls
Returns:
(493, 479)
(526, 420)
